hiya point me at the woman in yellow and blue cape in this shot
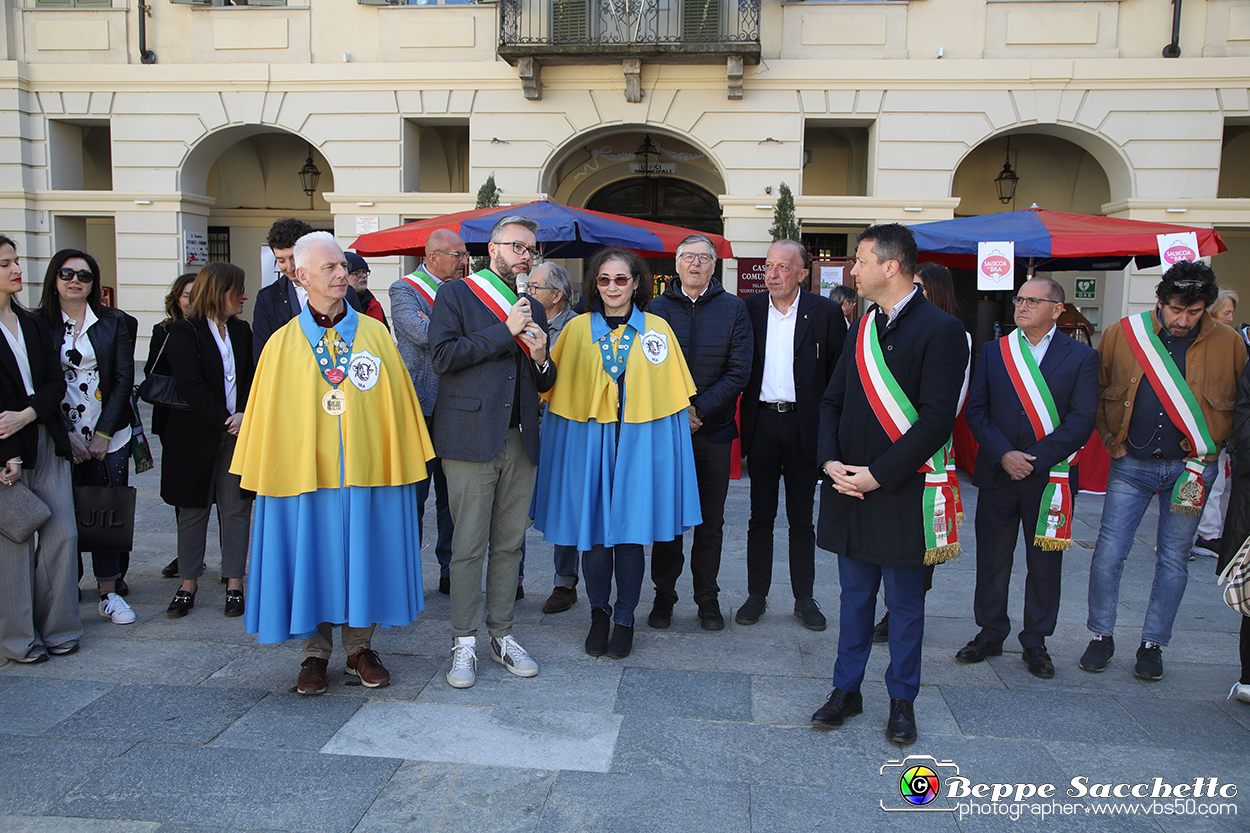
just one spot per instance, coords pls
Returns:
(616, 469)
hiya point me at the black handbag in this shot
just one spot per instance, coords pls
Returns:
(159, 388)
(105, 517)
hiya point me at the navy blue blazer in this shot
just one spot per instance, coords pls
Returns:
(998, 420)
(278, 303)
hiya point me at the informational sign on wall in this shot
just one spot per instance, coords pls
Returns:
(996, 266)
(195, 245)
(1173, 248)
(366, 225)
(831, 276)
(750, 275)
(1086, 289)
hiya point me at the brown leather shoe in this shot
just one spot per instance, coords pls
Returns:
(312, 679)
(366, 665)
(560, 600)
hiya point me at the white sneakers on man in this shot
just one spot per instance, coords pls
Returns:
(1241, 691)
(512, 656)
(463, 671)
(114, 607)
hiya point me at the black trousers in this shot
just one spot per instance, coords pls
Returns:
(1000, 514)
(711, 466)
(777, 452)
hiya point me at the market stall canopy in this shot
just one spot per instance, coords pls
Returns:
(1054, 241)
(562, 232)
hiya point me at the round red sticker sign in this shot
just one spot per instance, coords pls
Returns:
(995, 266)
(1178, 252)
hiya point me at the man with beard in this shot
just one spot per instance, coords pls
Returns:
(490, 352)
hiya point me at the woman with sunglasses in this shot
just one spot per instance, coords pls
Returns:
(616, 470)
(98, 360)
(210, 358)
(38, 583)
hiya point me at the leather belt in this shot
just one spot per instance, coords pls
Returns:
(779, 407)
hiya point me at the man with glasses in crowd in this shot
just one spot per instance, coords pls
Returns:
(714, 332)
(412, 300)
(490, 352)
(358, 279)
(1031, 407)
(1168, 380)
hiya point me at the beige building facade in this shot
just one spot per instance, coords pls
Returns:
(869, 111)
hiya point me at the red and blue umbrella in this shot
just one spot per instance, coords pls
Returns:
(562, 232)
(1055, 241)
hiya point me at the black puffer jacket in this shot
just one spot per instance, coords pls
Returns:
(715, 336)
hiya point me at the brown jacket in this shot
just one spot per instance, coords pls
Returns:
(1213, 365)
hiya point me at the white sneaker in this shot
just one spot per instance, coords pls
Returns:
(463, 671)
(512, 656)
(1241, 691)
(114, 607)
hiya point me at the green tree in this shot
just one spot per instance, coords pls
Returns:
(487, 197)
(785, 227)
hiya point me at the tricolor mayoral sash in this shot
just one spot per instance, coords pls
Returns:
(495, 294)
(896, 415)
(1180, 404)
(426, 285)
(1054, 515)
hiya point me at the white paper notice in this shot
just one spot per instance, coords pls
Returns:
(1173, 248)
(996, 266)
(830, 276)
(366, 225)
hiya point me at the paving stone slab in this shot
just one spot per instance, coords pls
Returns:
(1061, 715)
(163, 713)
(707, 695)
(792, 700)
(57, 700)
(1237, 710)
(615, 803)
(426, 797)
(276, 668)
(1193, 680)
(232, 789)
(560, 686)
(133, 660)
(290, 721)
(498, 736)
(60, 824)
(1186, 725)
(40, 770)
(785, 809)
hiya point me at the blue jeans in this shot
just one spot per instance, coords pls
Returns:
(442, 510)
(1132, 485)
(598, 566)
(566, 566)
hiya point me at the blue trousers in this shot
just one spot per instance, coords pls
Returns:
(627, 563)
(442, 510)
(904, 597)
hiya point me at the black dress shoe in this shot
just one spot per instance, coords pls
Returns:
(1039, 662)
(978, 649)
(182, 603)
(234, 602)
(752, 609)
(661, 615)
(710, 617)
(622, 641)
(597, 639)
(902, 726)
(170, 570)
(444, 586)
(840, 705)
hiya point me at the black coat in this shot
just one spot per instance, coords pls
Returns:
(819, 332)
(1237, 519)
(714, 332)
(277, 304)
(927, 351)
(48, 382)
(114, 347)
(189, 442)
(160, 414)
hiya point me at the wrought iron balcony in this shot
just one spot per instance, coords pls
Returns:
(606, 31)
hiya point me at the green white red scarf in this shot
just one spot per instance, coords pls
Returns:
(495, 294)
(1054, 515)
(896, 415)
(425, 284)
(1180, 404)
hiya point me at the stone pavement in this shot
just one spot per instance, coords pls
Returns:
(190, 725)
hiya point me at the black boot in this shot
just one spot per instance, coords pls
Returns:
(597, 639)
(622, 641)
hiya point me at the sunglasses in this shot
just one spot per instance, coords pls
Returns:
(619, 280)
(83, 275)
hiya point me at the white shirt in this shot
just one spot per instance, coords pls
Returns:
(18, 345)
(897, 308)
(777, 384)
(227, 366)
(83, 403)
(1039, 350)
(302, 294)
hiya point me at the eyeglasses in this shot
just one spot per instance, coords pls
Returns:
(618, 280)
(83, 275)
(1184, 284)
(457, 255)
(361, 273)
(691, 257)
(1031, 303)
(520, 248)
(536, 286)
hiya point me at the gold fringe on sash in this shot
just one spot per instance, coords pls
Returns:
(1052, 544)
(942, 554)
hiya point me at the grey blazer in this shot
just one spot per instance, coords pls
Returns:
(475, 357)
(412, 337)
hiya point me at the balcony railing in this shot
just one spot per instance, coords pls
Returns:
(578, 30)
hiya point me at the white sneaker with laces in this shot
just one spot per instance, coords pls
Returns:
(114, 607)
(512, 656)
(1241, 691)
(463, 671)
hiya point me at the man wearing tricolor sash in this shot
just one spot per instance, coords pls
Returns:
(1031, 407)
(412, 301)
(1168, 380)
(887, 508)
(490, 352)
